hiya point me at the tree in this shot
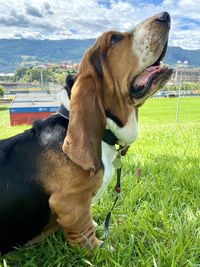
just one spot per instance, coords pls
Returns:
(19, 74)
(59, 78)
(36, 74)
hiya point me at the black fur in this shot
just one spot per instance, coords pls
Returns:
(114, 118)
(24, 209)
(69, 83)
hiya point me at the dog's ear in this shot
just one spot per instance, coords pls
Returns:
(86, 125)
(69, 84)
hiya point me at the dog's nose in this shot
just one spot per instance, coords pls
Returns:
(164, 18)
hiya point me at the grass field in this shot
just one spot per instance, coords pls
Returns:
(157, 219)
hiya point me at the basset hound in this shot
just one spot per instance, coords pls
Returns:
(51, 173)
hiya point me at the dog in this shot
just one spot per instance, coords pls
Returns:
(51, 173)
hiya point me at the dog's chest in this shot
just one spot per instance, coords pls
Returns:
(109, 154)
(125, 135)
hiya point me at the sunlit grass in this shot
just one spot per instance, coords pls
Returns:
(5, 129)
(157, 219)
(157, 110)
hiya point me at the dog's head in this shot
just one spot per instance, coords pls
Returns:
(150, 39)
(117, 74)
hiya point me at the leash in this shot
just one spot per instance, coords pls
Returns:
(118, 165)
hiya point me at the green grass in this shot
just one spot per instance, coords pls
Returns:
(157, 110)
(5, 129)
(157, 219)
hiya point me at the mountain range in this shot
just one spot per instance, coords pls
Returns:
(15, 53)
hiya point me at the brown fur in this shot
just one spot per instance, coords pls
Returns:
(73, 180)
(71, 190)
(102, 84)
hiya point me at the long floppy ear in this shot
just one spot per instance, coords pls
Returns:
(86, 125)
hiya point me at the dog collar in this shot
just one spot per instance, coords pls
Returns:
(108, 136)
(62, 111)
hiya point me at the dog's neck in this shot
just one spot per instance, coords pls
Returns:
(62, 111)
(114, 133)
(126, 134)
(108, 136)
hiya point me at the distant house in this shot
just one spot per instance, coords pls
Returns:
(64, 66)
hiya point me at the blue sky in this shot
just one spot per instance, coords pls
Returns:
(61, 19)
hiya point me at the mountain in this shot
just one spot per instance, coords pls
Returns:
(175, 54)
(18, 52)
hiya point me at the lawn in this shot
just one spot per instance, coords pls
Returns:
(157, 219)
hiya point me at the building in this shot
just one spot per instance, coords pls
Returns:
(186, 74)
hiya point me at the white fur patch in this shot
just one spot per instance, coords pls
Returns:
(63, 98)
(147, 44)
(141, 47)
(109, 153)
(127, 134)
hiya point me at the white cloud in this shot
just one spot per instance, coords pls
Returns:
(63, 19)
(26, 34)
(186, 39)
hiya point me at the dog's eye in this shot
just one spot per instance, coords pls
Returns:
(115, 38)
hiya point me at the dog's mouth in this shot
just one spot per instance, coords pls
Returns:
(151, 79)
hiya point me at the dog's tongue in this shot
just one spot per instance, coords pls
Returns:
(143, 77)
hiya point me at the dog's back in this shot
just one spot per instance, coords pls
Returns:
(24, 209)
